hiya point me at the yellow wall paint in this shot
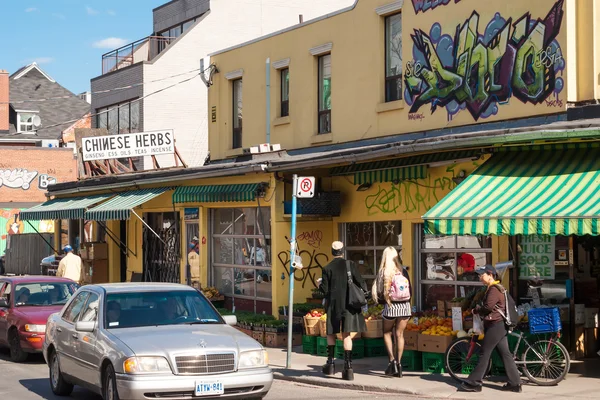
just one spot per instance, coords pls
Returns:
(358, 55)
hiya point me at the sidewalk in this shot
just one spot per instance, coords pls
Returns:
(582, 383)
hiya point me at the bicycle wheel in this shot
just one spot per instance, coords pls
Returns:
(546, 363)
(457, 364)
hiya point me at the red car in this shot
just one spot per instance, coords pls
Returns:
(26, 302)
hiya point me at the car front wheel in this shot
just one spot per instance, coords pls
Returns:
(58, 384)
(109, 388)
(16, 352)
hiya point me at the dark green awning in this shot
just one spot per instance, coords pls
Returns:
(524, 193)
(64, 208)
(217, 193)
(390, 175)
(120, 206)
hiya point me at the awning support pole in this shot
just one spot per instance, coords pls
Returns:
(148, 226)
(43, 238)
(118, 242)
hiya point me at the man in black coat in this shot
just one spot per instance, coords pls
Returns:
(341, 317)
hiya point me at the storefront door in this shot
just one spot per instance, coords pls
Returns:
(161, 246)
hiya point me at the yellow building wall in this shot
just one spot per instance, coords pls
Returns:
(531, 80)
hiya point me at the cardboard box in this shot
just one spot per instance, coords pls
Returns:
(280, 339)
(98, 251)
(579, 314)
(441, 308)
(434, 344)
(411, 340)
(579, 342)
(591, 318)
(564, 310)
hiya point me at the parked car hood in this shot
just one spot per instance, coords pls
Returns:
(172, 339)
(36, 314)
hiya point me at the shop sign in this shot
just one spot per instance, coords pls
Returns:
(536, 259)
(191, 214)
(128, 145)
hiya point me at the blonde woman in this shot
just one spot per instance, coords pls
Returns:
(392, 288)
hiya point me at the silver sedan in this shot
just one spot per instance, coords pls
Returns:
(149, 341)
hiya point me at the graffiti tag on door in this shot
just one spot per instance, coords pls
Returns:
(312, 261)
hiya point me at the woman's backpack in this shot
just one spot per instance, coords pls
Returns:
(400, 288)
(510, 315)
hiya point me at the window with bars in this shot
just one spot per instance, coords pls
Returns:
(366, 241)
(447, 263)
(393, 57)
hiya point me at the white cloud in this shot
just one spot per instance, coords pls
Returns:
(111, 13)
(110, 43)
(43, 60)
(59, 16)
(31, 9)
(91, 11)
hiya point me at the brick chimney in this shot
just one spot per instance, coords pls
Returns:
(4, 106)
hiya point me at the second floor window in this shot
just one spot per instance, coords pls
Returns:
(124, 118)
(325, 93)
(237, 114)
(285, 92)
(393, 57)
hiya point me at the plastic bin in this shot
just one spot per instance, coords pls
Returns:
(322, 346)
(358, 349)
(544, 320)
(412, 360)
(309, 344)
(374, 348)
(433, 363)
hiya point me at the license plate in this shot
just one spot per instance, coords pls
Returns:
(208, 388)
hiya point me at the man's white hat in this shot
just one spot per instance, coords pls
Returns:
(337, 245)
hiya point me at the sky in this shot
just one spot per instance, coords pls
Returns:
(68, 37)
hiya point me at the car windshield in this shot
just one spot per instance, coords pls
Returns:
(137, 309)
(44, 293)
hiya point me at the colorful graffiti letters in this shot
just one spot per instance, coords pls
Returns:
(426, 5)
(477, 72)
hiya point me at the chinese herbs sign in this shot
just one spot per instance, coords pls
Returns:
(536, 259)
(129, 145)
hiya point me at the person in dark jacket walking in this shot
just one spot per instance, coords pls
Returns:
(341, 317)
(495, 335)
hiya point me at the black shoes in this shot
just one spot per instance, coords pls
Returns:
(329, 367)
(348, 373)
(392, 368)
(511, 388)
(467, 387)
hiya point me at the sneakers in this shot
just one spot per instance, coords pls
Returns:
(512, 388)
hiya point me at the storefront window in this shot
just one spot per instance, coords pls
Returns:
(447, 265)
(241, 252)
(365, 242)
(192, 235)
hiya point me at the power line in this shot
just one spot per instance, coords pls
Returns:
(117, 106)
(104, 91)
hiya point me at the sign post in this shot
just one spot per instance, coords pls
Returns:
(303, 187)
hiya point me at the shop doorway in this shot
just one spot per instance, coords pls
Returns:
(123, 253)
(161, 247)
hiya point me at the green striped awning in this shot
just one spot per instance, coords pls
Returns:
(120, 206)
(422, 159)
(529, 192)
(390, 175)
(216, 193)
(65, 208)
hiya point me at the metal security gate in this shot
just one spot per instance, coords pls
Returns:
(161, 244)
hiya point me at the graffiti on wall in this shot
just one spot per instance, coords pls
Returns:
(426, 5)
(20, 178)
(11, 225)
(312, 238)
(481, 71)
(312, 260)
(411, 196)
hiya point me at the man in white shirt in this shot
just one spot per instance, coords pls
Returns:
(70, 266)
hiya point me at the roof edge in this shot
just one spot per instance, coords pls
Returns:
(28, 69)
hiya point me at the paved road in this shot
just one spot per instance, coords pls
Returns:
(29, 381)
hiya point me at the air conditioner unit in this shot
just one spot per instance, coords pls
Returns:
(49, 143)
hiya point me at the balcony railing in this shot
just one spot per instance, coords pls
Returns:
(142, 50)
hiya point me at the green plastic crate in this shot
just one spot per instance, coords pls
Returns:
(497, 365)
(412, 360)
(309, 344)
(374, 348)
(358, 349)
(322, 346)
(433, 363)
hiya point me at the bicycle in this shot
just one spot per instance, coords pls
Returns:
(546, 362)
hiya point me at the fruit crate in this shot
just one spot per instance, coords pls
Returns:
(374, 348)
(309, 344)
(497, 365)
(358, 349)
(412, 361)
(433, 363)
(322, 346)
(544, 320)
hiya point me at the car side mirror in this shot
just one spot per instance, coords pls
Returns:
(3, 302)
(230, 320)
(85, 326)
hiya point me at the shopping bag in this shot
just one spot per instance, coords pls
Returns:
(477, 324)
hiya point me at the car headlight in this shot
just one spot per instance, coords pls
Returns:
(35, 328)
(253, 359)
(146, 365)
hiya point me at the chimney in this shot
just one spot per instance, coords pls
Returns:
(4, 101)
